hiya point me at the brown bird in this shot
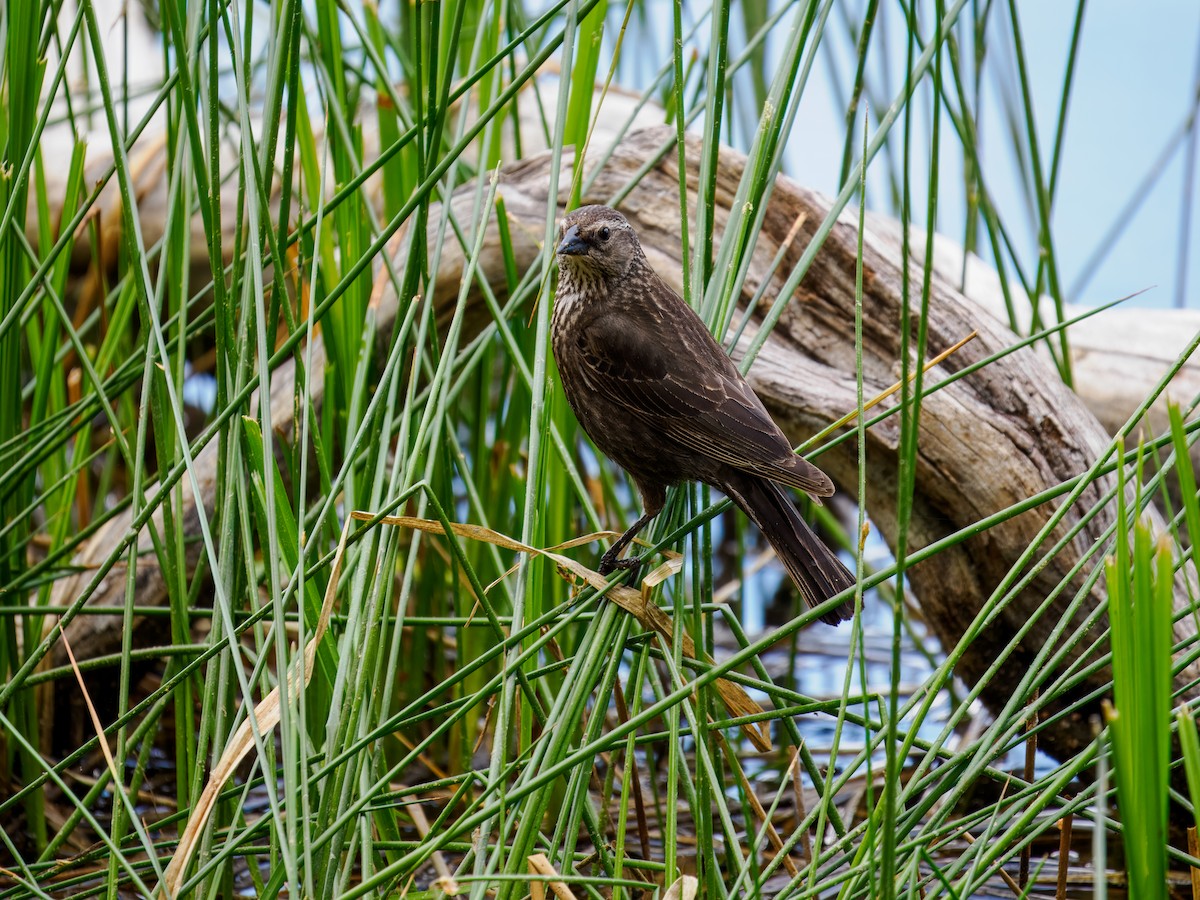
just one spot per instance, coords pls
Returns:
(657, 394)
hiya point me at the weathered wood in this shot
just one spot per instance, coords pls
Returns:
(987, 441)
(1116, 357)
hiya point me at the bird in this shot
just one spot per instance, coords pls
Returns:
(660, 397)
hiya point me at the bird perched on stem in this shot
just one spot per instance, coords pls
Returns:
(657, 394)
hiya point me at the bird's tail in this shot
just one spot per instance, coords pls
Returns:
(816, 571)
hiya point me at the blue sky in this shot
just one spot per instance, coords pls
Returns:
(1135, 84)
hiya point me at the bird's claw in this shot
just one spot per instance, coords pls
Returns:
(609, 564)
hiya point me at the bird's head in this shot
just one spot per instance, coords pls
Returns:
(597, 240)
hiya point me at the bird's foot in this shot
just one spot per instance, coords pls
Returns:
(609, 564)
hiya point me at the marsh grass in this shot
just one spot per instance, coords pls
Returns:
(467, 707)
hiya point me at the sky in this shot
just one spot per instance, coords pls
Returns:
(1135, 84)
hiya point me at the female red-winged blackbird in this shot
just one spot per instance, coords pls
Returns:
(657, 393)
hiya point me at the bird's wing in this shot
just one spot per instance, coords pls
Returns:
(704, 405)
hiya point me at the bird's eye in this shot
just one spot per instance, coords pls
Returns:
(604, 233)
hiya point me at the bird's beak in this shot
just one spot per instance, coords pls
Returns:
(572, 244)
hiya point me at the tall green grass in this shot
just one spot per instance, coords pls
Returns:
(468, 707)
(1140, 584)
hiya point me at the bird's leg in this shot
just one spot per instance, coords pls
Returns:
(609, 561)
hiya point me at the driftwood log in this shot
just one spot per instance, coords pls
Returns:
(987, 441)
(1117, 357)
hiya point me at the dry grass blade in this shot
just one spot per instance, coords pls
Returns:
(761, 814)
(91, 707)
(1064, 859)
(883, 395)
(540, 865)
(636, 603)
(685, 888)
(1008, 879)
(445, 878)
(266, 716)
(794, 772)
